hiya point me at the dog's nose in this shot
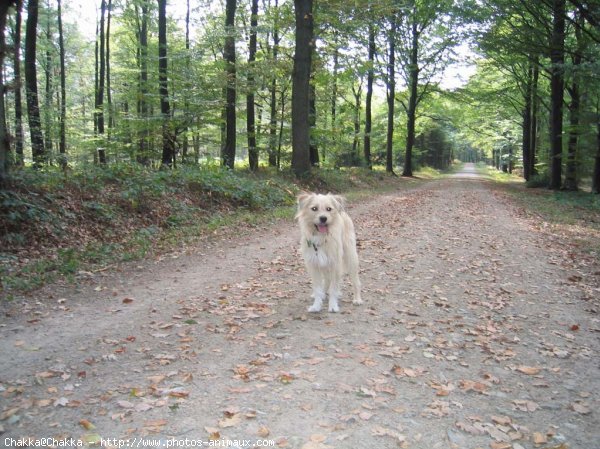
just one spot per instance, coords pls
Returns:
(322, 219)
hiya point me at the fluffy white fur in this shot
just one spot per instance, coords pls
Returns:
(328, 245)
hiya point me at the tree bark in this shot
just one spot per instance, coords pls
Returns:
(535, 101)
(369, 99)
(48, 69)
(273, 94)
(111, 117)
(168, 141)
(228, 150)
(526, 125)
(250, 116)
(391, 96)
(62, 146)
(99, 103)
(596, 174)
(570, 182)
(301, 87)
(143, 156)
(557, 59)
(4, 141)
(33, 106)
(312, 119)
(412, 101)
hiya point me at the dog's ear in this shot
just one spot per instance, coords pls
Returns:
(302, 198)
(340, 202)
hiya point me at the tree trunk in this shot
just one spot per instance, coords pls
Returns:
(33, 105)
(111, 118)
(4, 140)
(526, 125)
(99, 104)
(62, 146)
(369, 99)
(228, 150)
(168, 141)
(557, 59)
(186, 102)
(19, 134)
(412, 101)
(334, 93)
(301, 87)
(596, 174)
(312, 119)
(48, 109)
(250, 116)
(535, 101)
(391, 96)
(571, 168)
(273, 94)
(143, 156)
(357, 92)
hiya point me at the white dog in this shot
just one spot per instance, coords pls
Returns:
(328, 245)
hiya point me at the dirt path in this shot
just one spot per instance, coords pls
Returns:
(473, 335)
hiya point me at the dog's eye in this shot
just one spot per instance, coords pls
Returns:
(329, 209)
(314, 208)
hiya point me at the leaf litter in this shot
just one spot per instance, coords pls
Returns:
(453, 348)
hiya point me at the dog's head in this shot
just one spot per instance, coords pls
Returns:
(319, 212)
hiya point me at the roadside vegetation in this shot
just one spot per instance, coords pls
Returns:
(574, 214)
(56, 225)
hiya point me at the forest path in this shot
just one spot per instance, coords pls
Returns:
(473, 334)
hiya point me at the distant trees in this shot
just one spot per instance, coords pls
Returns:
(370, 90)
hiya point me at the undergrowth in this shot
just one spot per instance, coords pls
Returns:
(55, 224)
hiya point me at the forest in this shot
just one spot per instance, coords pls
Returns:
(114, 111)
(275, 83)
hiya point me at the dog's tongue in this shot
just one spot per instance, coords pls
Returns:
(322, 228)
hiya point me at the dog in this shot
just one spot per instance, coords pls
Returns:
(328, 245)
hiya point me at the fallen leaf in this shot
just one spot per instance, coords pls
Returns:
(86, 424)
(581, 408)
(230, 421)
(539, 438)
(529, 370)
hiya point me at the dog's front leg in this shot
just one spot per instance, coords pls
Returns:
(318, 289)
(334, 290)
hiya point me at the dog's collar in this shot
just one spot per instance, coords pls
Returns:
(311, 243)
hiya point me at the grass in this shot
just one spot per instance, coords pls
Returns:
(55, 225)
(573, 214)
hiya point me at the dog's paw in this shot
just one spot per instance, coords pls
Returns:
(357, 302)
(334, 308)
(314, 308)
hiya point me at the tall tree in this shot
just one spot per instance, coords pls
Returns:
(303, 11)
(49, 91)
(596, 172)
(168, 144)
(33, 105)
(557, 60)
(142, 17)
(109, 105)
(62, 147)
(228, 150)
(391, 94)
(570, 182)
(369, 99)
(413, 86)
(250, 106)
(273, 92)
(4, 142)
(101, 74)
